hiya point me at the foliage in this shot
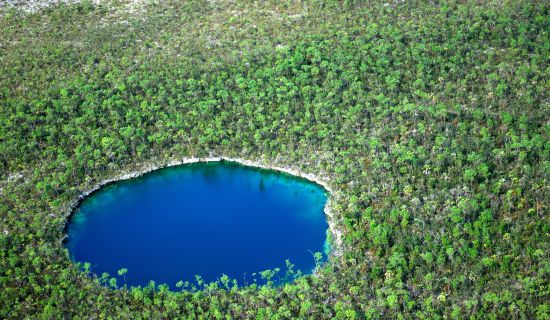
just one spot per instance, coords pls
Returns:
(431, 122)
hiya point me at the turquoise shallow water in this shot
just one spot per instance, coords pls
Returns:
(204, 219)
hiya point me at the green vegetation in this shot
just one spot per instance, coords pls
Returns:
(432, 122)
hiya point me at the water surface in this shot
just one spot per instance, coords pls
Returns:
(203, 219)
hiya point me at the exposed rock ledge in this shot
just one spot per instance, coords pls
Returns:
(336, 233)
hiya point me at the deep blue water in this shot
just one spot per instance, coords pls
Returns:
(204, 219)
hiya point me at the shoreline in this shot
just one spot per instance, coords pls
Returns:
(336, 235)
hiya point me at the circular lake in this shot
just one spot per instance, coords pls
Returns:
(207, 219)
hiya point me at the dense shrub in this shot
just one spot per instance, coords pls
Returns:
(430, 120)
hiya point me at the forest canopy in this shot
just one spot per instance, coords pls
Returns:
(431, 122)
